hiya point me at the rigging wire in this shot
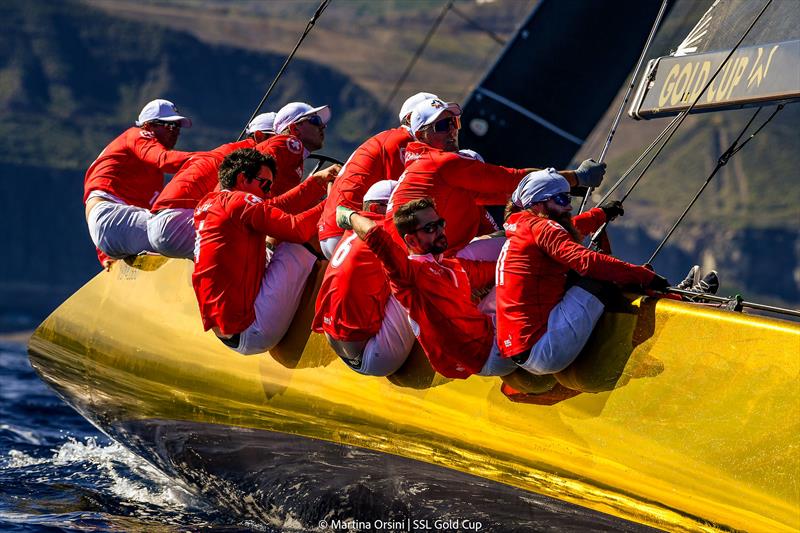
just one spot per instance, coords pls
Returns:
(447, 7)
(309, 26)
(614, 124)
(732, 150)
(492, 35)
(682, 116)
(638, 160)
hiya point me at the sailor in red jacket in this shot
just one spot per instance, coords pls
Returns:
(246, 297)
(127, 176)
(541, 322)
(364, 324)
(380, 157)
(456, 335)
(461, 185)
(300, 130)
(171, 228)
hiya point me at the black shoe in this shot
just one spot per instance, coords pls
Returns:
(691, 279)
(709, 284)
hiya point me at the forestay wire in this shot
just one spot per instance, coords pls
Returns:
(309, 26)
(399, 83)
(614, 124)
(732, 150)
(676, 123)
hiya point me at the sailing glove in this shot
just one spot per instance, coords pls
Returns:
(590, 173)
(343, 217)
(612, 209)
(658, 283)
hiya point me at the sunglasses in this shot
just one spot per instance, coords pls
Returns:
(562, 199)
(444, 125)
(314, 120)
(431, 227)
(171, 126)
(261, 183)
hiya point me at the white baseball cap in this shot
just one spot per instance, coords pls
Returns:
(428, 111)
(264, 122)
(162, 110)
(296, 111)
(380, 191)
(412, 101)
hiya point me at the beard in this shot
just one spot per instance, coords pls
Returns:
(439, 246)
(565, 221)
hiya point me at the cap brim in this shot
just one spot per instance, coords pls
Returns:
(324, 113)
(451, 106)
(185, 122)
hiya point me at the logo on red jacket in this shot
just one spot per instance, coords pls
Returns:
(252, 199)
(294, 145)
(147, 134)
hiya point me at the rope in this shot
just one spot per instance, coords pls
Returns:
(447, 7)
(309, 26)
(496, 38)
(614, 124)
(737, 299)
(682, 116)
(721, 162)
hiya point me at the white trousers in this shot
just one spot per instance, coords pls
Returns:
(171, 232)
(277, 300)
(569, 326)
(328, 246)
(384, 353)
(482, 249)
(119, 230)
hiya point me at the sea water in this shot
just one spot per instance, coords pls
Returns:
(58, 472)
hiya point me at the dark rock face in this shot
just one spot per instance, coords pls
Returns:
(72, 79)
(759, 263)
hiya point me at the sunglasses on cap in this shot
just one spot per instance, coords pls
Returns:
(444, 125)
(562, 199)
(314, 120)
(431, 227)
(172, 126)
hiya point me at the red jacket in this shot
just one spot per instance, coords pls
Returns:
(532, 274)
(198, 177)
(458, 184)
(354, 292)
(231, 250)
(132, 168)
(289, 154)
(379, 158)
(456, 337)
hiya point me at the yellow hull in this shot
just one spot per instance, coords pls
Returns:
(693, 424)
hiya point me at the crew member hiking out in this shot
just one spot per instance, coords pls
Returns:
(457, 336)
(247, 296)
(300, 130)
(364, 324)
(379, 158)
(459, 184)
(126, 178)
(542, 323)
(171, 228)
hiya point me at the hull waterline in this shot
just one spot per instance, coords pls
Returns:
(688, 419)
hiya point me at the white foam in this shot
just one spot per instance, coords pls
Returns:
(108, 459)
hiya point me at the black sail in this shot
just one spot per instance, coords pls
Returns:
(555, 80)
